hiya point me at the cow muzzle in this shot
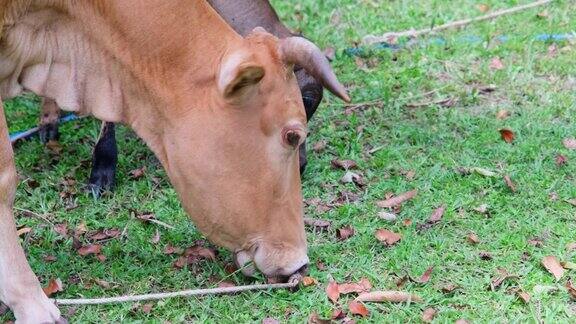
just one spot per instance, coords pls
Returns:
(278, 265)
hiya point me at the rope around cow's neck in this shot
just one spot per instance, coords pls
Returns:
(184, 293)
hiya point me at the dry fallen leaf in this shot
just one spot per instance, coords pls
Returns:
(358, 308)
(147, 308)
(314, 318)
(462, 321)
(61, 229)
(344, 164)
(428, 315)
(473, 238)
(54, 286)
(387, 237)
(507, 135)
(496, 64)
(437, 214)
(317, 224)
(23, 231)
(571, 289)
(449, 288)
(509, 183)
(561, 160)
(407, 222)
(309, 281)
(387, 216)
(197, 252)
(502, 276)
(363, 285)
(337, 314)
(553, 266)
(89, 249)
(397, 200)
(138, 173)
(483, 8)
(388, 296)
(332, 291)
(524, 296)
(345, 232)
(426, 276)
(270, 320)
(319, 146)
(569, 143)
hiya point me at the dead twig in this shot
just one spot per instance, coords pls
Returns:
(372, 39)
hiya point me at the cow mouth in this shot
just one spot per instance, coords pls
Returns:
(294, 278)
(245, 263)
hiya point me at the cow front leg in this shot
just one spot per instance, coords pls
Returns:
(104, 160)
(49, 117)
(19, 286)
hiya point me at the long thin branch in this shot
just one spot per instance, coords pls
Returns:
(371, 39)
(184, 293)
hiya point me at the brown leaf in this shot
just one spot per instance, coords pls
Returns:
(317, 224)
(509, 183)
(428, 315)
(402, 281)
(315, 319)
(544, 14)
(226, 284)
(496, 64)
(473, 238)
(426, 275)
(80, 229)
(180, 263)
(101, 257)
(345, 232)
(407, 222)
(502, 114)
(147, 308)
(569, 143)
(553, 266)
(387, 216)
(103, 234)
(397, 200)
(507, 135)
(437, 214)
(319, 146)
(449, 288)
(571, 289)
(61, 229)
(388, 296)
(358, 308)
(363, 285)
(270, 320)
(503, 275)
(344, 164)
(49, 258)
(23, 231)
(138, 173)
(332, 291)
(387, 237)
(337, 314)
(483, 8)
(197, 252)
(102, 283)
(524, 296)
(89, 249)
(54, 286)
(462, 321)
(561, 160)
(309, 281)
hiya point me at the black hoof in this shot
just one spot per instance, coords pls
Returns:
(48, 132)
(101, 181)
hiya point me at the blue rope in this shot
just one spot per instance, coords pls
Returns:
(472, 39)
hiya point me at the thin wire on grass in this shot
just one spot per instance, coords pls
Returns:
(183, 293)
(372, 39)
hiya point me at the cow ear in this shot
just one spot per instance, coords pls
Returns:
(239, 77)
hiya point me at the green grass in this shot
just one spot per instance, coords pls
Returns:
(434, 141)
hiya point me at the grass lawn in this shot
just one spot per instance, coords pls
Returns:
(422, 116)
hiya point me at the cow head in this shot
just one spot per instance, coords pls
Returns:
(234, 162)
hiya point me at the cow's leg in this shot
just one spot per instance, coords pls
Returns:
(19, 287)
(49, 118)
(104, 161)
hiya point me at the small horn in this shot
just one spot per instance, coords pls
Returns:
(302, 52)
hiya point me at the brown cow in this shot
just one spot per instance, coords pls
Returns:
(222, 113)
